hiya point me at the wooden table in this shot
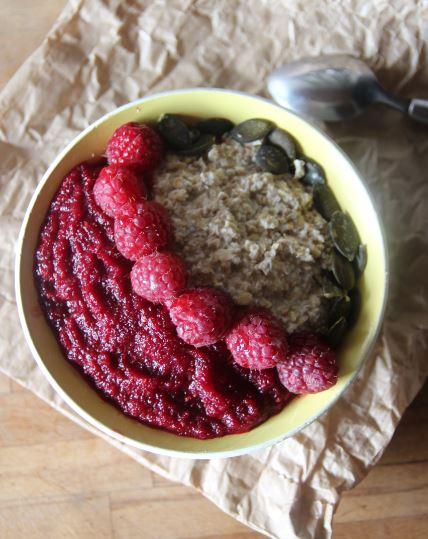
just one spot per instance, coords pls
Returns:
(59, 481)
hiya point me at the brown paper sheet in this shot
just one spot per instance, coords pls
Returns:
(103, 53)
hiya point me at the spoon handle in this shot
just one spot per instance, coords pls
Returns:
(383, 96)
(418, 110)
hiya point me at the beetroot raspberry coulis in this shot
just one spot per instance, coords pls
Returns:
(128, 347)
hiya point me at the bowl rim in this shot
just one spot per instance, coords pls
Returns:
(98, 425)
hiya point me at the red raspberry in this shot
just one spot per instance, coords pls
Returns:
(257, 341)
(158, 277)
(116, 187)
(145, 227)
(136, 146)
(311, 365)
(202, 315)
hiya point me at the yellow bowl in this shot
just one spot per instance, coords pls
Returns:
(352, 196)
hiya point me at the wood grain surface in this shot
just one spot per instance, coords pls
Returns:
(59, 481)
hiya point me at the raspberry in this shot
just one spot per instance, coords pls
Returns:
(136, 146)
(311, 365)
(202, 316)
(144, 228)
(116, 187)
(257, 341)
(158, 277)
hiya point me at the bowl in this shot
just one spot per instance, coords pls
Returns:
(352, 195)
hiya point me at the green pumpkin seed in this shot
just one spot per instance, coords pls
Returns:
(336, 332)
(329, 289)
(360, 260)
(175, 132)
(324, 201)
(279, 137)
(314, 173)
(194, 134)
(250, 130)
(202, 145)
(344, 234)
(215, 126)
(354, 312)
(272, 159)
(340, 307)
(343, 271)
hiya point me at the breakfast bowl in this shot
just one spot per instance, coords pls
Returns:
(353, 197)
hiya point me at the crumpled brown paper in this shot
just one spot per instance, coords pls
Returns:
(103, 53)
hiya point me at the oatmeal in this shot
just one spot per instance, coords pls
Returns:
(249, 232)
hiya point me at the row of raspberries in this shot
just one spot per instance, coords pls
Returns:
(202, 316)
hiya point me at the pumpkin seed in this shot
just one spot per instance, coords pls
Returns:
(272, 159)
(341, 307)
(250, 130)
(329, 289)
(215, 126)
(314, 173)
(194, 134)
(279, 137)
(175, 132)
(337, 331)
(344, 234)
(325, 201)
(203, 144)
(360, 260)
(354, 312)
(343, 271)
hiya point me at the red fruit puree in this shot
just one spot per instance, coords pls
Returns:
(127, 347)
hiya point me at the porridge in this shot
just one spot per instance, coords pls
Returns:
(250, 232)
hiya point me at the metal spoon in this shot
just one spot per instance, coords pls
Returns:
(334, 88)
